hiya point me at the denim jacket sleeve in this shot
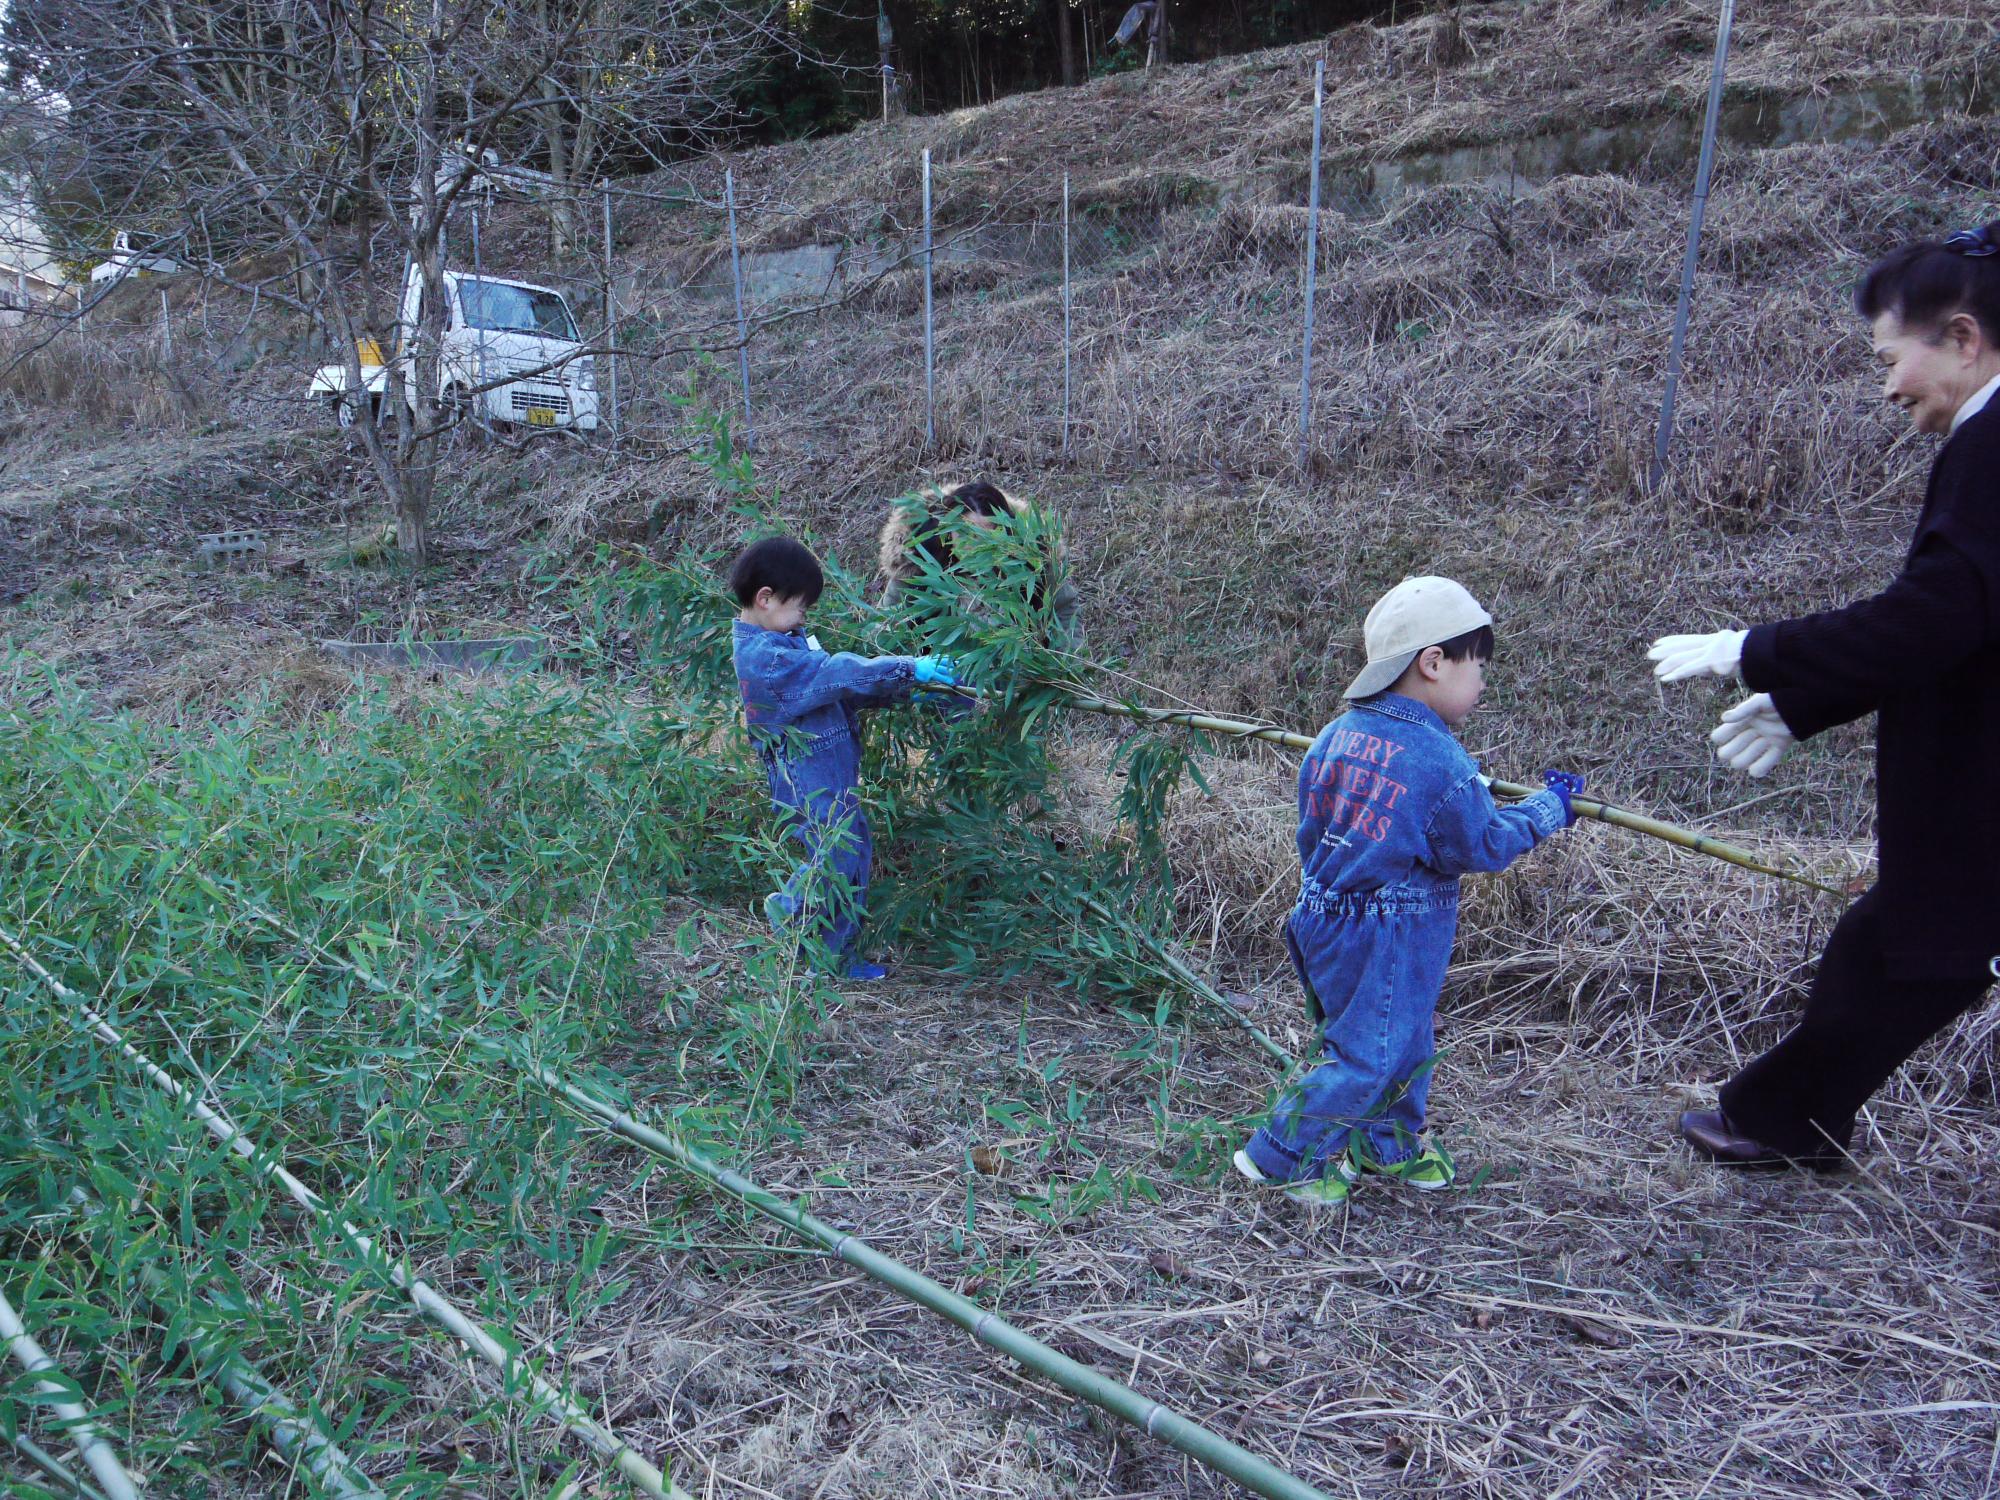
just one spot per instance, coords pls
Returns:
(797, 682)
(1470, 833)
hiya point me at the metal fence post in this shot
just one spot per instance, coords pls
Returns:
(930, 350)
(1065, 411)
(742, 320)
(1664, 437)
(610, 317)
(1312, 268)
(166, 328)
(478, 325)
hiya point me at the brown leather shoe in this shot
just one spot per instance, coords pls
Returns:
(1715, 1136)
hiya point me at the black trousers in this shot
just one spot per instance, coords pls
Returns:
(1861, 1024)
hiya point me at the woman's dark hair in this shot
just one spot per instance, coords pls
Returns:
(1926, 285)
(977, 497)
(779, 564)
(1475, 642)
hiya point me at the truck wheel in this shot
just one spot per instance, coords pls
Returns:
(344, 413)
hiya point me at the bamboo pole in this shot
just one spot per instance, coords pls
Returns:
(300, 1438)
(83, 1434)
(1210, 1449)
(49, 1464)
(1583, 807)
(304, 1440)
(515, 1376)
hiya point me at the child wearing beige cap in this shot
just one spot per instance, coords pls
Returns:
(1392, 811)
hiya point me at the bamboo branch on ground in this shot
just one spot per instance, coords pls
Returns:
(83, 1433)
(1187, 976)
(49, 1464)
(515, 1376)
(301, 1438)
(1584, 807)
(1214, 1451)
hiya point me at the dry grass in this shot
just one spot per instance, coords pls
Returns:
(1600, 1317)
(108, 382)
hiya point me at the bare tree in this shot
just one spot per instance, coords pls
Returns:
(316, 150)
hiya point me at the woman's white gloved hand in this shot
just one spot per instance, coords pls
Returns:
(1752, 736)
(1676, 657)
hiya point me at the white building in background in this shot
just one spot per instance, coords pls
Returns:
(29, 275)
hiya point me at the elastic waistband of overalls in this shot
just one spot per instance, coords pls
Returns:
(1385, 901)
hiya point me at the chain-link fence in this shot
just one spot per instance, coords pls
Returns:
(967, 306)
(1028, 301)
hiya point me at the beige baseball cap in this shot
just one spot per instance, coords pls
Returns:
(1416, 613)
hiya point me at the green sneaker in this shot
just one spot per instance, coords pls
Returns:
(1329, 1191)
(1430, 1169)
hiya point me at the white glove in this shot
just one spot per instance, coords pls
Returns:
(1752, 736)
(1676, 657)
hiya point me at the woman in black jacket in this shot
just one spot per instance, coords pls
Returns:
(1921, 947)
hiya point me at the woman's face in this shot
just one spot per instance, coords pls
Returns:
(1931, 375)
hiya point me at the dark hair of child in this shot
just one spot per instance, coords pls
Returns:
(1476, 642)
(1925, 285)
(779, 564)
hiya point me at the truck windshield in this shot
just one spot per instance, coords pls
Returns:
(502, 307)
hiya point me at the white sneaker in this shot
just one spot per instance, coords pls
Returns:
(1329, 1191)
(1249, 1168)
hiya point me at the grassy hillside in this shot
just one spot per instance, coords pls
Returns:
(1597, 1316)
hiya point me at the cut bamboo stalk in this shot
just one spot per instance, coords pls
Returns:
(52, 1466)
(1193, 981)
(515, 1375)
(83, 1434)
(1210, 1449)
(302, 1439)
(1583, 807)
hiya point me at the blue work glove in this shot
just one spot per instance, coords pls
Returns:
(937, 671)
(1565, 784)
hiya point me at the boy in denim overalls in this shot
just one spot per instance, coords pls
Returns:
(1392, 811)
(802, 706)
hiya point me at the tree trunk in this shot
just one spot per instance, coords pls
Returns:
(413, 513)
(562, 208)
(1066, 42)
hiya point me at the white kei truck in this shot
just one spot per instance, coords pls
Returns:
(493, 328)
(125, 261)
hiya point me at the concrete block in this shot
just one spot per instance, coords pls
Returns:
(217, 547)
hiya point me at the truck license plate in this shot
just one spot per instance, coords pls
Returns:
(541, 416)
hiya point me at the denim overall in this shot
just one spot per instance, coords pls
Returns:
(1391, 813)
(802, 706)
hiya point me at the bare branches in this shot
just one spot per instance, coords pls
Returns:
(344, 140)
